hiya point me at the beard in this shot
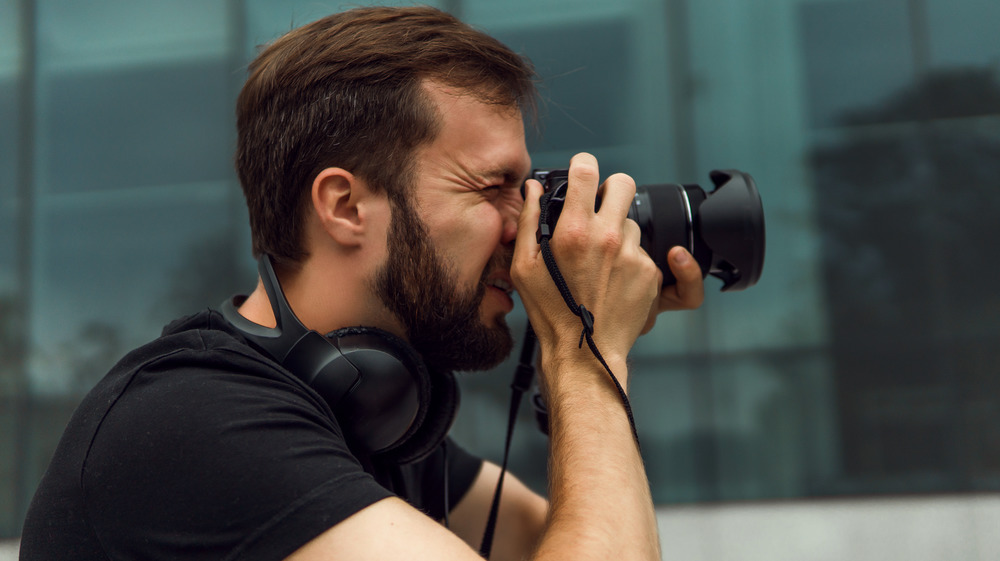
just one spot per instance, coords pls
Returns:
(442, 320)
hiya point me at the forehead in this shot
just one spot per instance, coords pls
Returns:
(478, 137)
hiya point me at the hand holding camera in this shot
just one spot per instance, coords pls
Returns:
(720, 233)
(598, 253)
(723, 230)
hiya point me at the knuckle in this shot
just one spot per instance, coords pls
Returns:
(622, 183)
(585, 174)
(572, 235)
(649, 269)
(611, 240)
(633, 228)
(584, 168)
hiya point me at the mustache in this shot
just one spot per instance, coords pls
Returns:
(500, 261)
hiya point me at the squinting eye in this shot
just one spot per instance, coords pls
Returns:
(492, 191)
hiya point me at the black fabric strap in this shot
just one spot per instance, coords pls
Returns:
(523, 377)
(447, 483)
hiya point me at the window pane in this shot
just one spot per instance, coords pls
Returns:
(11, 319)
(132, 127)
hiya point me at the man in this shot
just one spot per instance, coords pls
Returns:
(381, 152)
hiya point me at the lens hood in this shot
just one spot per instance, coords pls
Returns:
(731, 223)
(723, 229)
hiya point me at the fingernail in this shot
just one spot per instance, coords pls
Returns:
(681, 257)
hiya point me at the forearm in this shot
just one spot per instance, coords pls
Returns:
(600, 502)
(601, 507)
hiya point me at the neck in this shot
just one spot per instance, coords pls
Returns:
(325, 296)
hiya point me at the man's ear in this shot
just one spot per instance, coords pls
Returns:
(338, 198)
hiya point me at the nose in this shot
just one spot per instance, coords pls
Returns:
(510, 211)
(509, 233)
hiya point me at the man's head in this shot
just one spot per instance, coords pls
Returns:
(345, 91)
(362, 91)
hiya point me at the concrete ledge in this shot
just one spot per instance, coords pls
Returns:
(8, 550)
(915, 529)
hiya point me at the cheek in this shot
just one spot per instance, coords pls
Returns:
(488, 229)
(473, 243)
(475, 228)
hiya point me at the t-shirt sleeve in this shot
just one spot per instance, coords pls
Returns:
(219, 457)
(464, 468)
(423, 482)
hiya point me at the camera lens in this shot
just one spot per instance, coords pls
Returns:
(723, 229)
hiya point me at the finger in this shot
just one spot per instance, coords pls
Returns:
(690, 286)
(619, 192)
(632, 233)
(650, 322)
(527, 221)
(584, 177)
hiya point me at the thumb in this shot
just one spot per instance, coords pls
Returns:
(527, 221)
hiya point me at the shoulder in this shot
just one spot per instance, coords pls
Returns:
(197, 384)
(201, 436)
(200, 356)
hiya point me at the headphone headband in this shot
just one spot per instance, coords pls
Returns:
(272, 340)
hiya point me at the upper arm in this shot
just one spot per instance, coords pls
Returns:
(519, 524)
(392, 529)
(388, 529)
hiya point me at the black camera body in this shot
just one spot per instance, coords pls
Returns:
(723, 229)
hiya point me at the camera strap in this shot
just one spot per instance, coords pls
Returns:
(523, 376)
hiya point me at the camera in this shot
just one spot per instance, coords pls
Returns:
(723, 229)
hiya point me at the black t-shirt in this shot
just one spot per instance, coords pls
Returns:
(196, 446)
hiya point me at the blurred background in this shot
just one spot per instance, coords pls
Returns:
(846, 407)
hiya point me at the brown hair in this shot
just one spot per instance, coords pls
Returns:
(345, 91)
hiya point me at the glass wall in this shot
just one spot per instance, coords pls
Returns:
(861, 363)
(12, 389)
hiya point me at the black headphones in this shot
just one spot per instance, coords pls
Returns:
(379, 389)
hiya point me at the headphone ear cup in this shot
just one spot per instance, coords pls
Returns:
(390, 399)
(432, 431)
(375, 400)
